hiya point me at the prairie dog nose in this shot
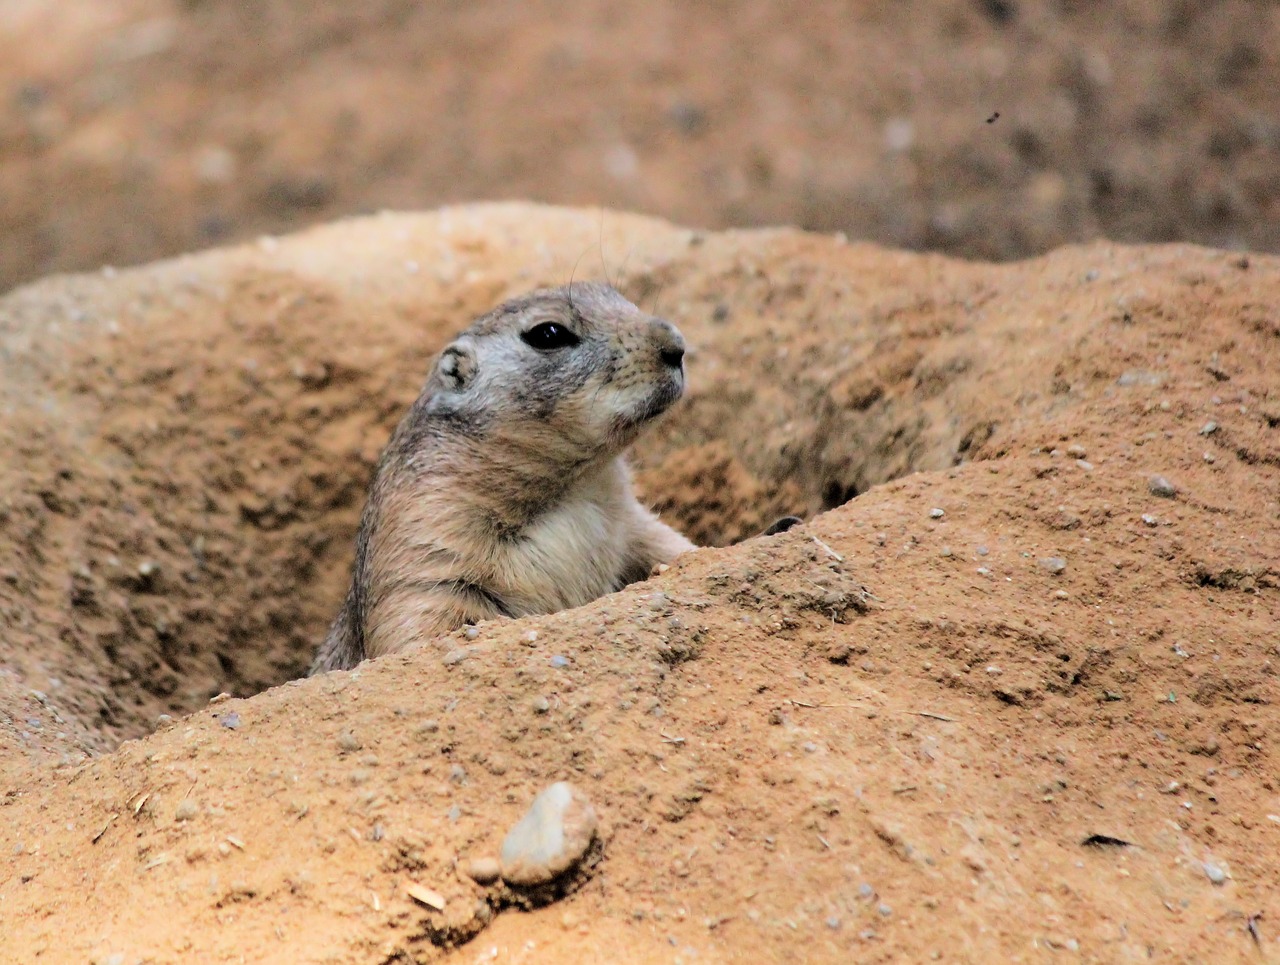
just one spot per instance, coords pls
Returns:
(670, 343)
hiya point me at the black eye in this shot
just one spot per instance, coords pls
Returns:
(548, 336)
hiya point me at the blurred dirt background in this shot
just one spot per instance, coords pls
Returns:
(132, 129)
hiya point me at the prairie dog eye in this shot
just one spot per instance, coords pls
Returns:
(549, 336)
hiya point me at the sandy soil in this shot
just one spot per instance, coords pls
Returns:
(997, 700)
(134, 129)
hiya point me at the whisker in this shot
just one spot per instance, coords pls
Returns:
(604, 267)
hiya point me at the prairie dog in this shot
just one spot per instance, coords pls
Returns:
(503, 492)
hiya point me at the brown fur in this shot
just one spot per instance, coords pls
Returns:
(502, 493)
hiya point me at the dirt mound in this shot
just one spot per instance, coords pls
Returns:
(1016, 695)
(135, 129)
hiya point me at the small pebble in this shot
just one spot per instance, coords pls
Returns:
(553, 836)
(833, 923)
(1054, 564)
(983, 551)
(1076, 451)
(186, 810)
(541, 705)
(1208, 457)
(885, 910)
(1209, 428)
(484, 871)
(457, 655)
(1139, 377)
(230, 721)
(348, 741)
(946, 552)
(471, 633)
(559, 661)
(1150, 520)
(1159, 486)
(1214, 873)
(937, 513)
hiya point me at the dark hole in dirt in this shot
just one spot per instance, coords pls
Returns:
(1000, 11)
(836, 493)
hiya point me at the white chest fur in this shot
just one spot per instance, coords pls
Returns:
(574, 552)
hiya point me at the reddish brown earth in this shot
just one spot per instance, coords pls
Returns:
(132, 129)
(888, 735)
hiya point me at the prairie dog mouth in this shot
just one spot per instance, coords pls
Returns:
(663, 396)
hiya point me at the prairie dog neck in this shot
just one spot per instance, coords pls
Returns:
(573, 550)
(449, 532)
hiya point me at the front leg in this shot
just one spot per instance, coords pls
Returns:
(652, 543)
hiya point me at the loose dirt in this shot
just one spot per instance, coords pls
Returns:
(995, 700)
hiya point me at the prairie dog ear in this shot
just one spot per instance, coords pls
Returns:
(457, 365)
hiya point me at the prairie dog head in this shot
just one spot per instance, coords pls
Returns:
(572, 373)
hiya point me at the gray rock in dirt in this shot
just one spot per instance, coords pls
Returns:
(1159, 486)
(553, 836)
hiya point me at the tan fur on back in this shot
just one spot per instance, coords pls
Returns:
(498, 499)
